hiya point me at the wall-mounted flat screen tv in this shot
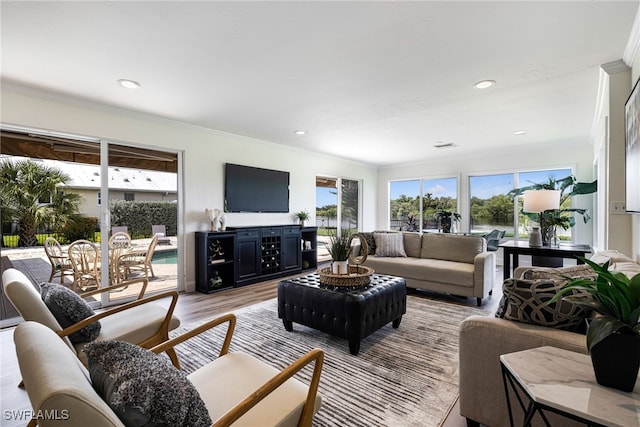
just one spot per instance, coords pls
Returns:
(251, 189)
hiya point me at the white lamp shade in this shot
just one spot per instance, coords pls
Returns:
(541, 200)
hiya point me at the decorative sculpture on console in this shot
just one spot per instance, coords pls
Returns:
(214, 219)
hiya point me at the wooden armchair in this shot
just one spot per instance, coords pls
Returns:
(138, 260)
(143, 322)
(85, 261)
(59, 259)
(232, 386)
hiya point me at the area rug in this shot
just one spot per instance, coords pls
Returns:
(401, 377)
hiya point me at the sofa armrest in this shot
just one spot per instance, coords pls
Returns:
(482, 341)
(484, 274)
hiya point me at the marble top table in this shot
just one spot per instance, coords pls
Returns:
(563, 381)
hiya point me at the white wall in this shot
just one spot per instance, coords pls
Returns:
(205, 152)
(553, 155)
(635, 75)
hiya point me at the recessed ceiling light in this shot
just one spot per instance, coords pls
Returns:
(484, 84)
(520, 132)
(442, 144)
(129, 84)
(300, 132)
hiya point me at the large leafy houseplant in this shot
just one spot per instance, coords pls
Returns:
(616, 298)
(563, 217)
(613, 295)
(446, 219)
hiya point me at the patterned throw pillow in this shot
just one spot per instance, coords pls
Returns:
(526, 301)
(68, 309)
(389, 244)
(371, 242)
(142, 388)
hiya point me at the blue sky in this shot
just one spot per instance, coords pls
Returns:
(324, 196)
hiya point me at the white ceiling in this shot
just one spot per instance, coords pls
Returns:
(380, 82)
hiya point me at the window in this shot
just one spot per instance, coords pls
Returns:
(45, 199)
(541, 177)
(129, 197)
(404, 205)
(413, 202)
(491, 207)
(438, 194)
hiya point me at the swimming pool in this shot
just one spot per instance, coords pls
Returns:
(165, 257)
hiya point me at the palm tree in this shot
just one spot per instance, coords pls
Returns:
(24, 184)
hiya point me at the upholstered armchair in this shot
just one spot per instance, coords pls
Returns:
(235, 388)
(144, 322)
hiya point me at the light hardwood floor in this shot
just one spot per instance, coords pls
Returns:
(191, 308)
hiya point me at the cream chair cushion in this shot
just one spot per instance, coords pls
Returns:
(240, 373)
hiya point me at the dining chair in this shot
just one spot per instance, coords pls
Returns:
(119, 244)
(138, 259)
(59, 259)
(85, 260)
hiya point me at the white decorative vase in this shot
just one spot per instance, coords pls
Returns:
(340, 267)
(535, 237)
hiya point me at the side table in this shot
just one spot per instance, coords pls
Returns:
(563, 382)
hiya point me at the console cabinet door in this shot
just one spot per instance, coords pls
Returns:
(248, 255)
(291, 249)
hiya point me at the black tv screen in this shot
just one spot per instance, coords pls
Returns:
(251, 189)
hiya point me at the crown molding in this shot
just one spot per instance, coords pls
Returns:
(615, 67)
(632, 50)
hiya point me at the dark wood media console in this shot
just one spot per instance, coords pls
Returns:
(243, 255)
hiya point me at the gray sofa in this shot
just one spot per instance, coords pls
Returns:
(484, 339)
(447, 263)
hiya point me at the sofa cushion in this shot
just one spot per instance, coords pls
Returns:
(142, 388)
(432, 270)
(526, 301)
(452, 247)
(610, 255)
(580, 270)
(412, 243)
(629, 268)
(68, 309)
(389, 244)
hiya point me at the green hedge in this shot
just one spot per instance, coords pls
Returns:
(140, 216)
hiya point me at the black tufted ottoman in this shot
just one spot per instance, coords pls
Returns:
(351, 313)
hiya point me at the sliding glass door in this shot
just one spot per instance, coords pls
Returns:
(110, 182)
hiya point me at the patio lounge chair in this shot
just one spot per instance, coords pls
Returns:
(161, 232)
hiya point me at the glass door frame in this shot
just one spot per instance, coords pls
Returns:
(105, 216)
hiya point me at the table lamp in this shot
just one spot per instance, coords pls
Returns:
(538, 201)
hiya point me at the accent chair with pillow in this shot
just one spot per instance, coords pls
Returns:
(143, 322)
(524, 320)
(125, 385)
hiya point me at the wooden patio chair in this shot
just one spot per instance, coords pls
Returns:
(59, 259)
(138, 260)
(85, 260)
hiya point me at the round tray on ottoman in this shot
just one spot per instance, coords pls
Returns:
(358, 276)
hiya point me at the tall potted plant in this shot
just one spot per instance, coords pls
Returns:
(564, 217)
(613, 337)
(339, 248)
(446, 219)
